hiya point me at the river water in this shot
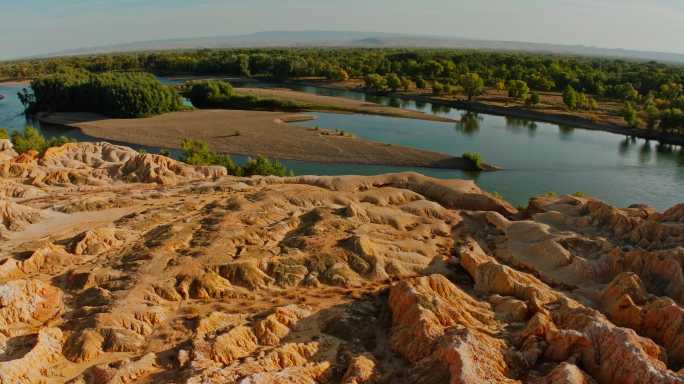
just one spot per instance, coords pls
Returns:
(537, 157)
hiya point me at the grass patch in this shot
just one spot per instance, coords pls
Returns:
(475, 160)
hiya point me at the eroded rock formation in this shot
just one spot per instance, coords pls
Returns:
(119, 267)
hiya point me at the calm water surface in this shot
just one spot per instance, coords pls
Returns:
(537, 157)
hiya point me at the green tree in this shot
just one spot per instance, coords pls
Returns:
(421, 83)
(472, 84)
(338, 74)
(671, 90)
(593, 104)
(652, 116)
(375, 82)
(518, 89)
(203, 93)
(393, 82)
(630, 114)
(197, 153)
(535, 98)
(114, 94)
(264, 166)
(626, 92)
(570, 98)
(32, 139)
(433, 69)
(437, 88)
(406, 84)
(672, 121)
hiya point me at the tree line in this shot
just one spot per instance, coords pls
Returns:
(653, 89)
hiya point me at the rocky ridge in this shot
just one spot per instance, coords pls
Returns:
(120, 267)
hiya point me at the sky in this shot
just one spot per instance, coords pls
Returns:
(30, 27)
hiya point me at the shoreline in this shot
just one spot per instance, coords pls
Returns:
(320, 103)
(472, 106)
(515, 111)
(255, 133)
(14, 83)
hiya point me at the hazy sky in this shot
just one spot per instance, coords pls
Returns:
(30, 27)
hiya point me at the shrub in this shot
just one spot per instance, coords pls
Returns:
(437, 88)
(631, 115)
(203, 93)
(198, 153)
(337, 74)
(474, 158)
(375, 82)
(3, 134)
(534, 98)
(219, 94)
(472, 84)
(114, 94)
(32, 139)
(406, 83)
(393, 82)
(264, 166)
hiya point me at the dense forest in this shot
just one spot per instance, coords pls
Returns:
(653, 93)
(114, 94)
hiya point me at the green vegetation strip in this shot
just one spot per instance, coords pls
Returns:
(652, 93)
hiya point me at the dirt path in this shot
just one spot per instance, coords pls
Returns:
(254, 133)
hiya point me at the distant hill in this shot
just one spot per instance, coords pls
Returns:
(367, 40)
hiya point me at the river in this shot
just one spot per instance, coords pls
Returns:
(537, 157)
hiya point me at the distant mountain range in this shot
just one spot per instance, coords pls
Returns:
(367, 40)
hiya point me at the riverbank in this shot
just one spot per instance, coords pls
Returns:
(338, 104)
(550, 110)
(254, 133)
(15, 83)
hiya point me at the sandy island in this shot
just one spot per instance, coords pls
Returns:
(337, 104)
(254, 133)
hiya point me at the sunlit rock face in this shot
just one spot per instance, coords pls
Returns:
(119, 267)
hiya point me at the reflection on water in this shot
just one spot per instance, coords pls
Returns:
(518, 125)
(645, 153)
(565, 132)
(537, 157)
(626, 145)
(469, 123)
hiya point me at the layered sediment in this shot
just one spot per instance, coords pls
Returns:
(120, 267)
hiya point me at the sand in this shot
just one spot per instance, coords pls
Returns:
(13, 83)
(157, 272)
(339, 103)
(254, 133)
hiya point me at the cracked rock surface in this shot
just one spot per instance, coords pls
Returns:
(119, 267)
